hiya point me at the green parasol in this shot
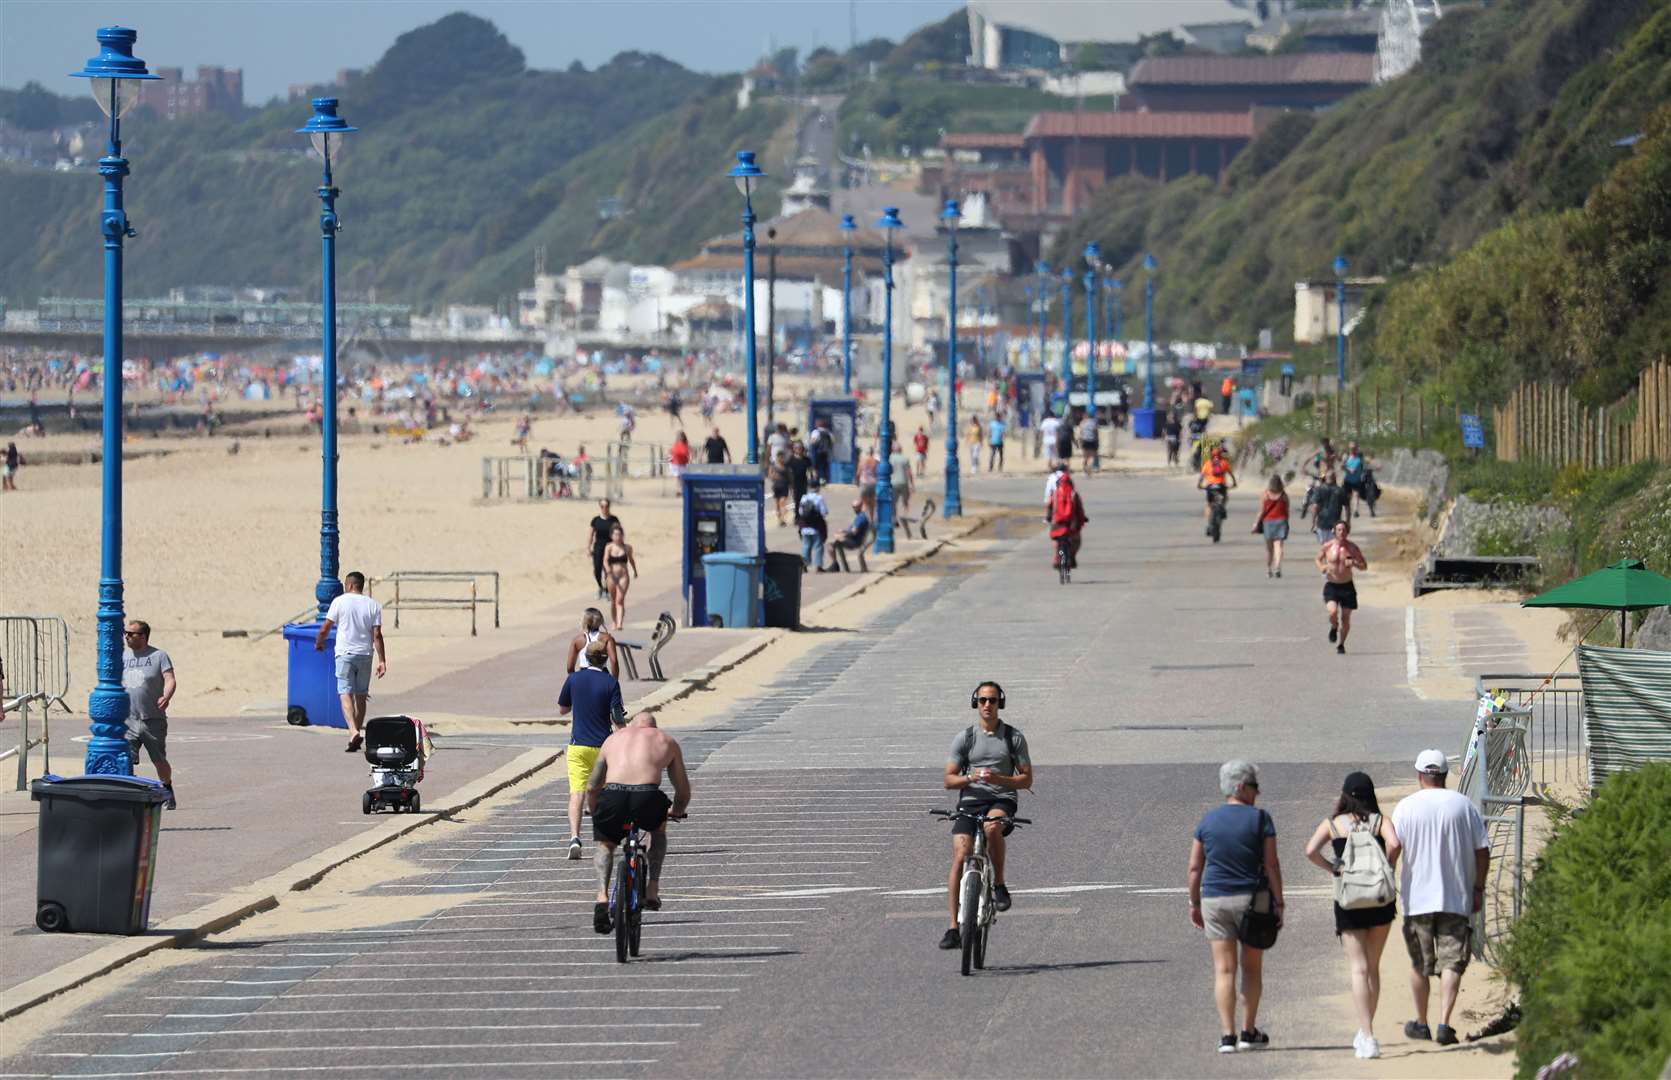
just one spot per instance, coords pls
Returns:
(1627, 585)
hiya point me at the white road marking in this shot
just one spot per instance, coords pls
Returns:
(335, 1068)
(1412, 657)
(229, 1032)
(449, 992)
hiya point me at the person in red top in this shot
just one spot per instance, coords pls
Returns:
(1065, 514)
(1216, 473)
(920, 441)
(1273, 522)
(677, 458)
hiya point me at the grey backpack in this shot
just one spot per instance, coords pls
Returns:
(1363, 876)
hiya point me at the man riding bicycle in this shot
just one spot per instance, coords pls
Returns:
(1064, 513)
(1215, 474)
(624, 790)
(989, 763)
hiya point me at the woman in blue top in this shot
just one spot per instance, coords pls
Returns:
(1233, 844)
(1354, 477)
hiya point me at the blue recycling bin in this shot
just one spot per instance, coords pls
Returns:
(311, 697)
(1145, 423)
(733, 581)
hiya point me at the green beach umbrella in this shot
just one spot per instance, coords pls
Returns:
(1627, 585)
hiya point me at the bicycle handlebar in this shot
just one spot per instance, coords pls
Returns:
(951, 814)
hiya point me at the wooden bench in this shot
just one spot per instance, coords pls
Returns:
(920, 522)
(659, 637)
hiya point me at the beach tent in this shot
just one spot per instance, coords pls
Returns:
(1627, 585)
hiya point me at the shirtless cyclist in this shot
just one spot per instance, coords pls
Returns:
(625, 789)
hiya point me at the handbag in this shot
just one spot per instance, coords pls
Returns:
(1258, 929)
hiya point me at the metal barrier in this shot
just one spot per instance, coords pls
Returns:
(440, 603)
(1496, 773)
(627, 460)
(1556, 742)
(36, 653)
(526, 477)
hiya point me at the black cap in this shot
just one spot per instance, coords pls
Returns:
(1360, 787)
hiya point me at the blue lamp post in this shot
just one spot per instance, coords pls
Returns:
(116, 74)
(953, 502)
(1092, 258)
(1145, 422)
(1340, 322)
(884, 469)
(1111, 322)
(746, 173)
(847, 230)
(1067, 329)
(322, 127)
(1043, 269)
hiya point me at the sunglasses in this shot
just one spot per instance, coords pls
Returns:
(133, 633)
(1254, 784)
(987, 700)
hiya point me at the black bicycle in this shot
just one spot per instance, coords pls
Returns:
(1216, 498)
(628, 893)
(1064, 559)
(976, 911)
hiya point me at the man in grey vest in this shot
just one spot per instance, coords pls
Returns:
(989, 763)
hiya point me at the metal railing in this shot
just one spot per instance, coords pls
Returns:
(527, 477)
(1556, 741)
(36, 653)
(410, 602)
(1496, 773)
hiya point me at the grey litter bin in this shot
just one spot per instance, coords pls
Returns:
(97, 852)
(782, 588)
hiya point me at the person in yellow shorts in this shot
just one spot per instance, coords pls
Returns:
(593, 696)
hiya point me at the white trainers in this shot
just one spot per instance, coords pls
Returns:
(574, 848)
(1357, 1044)
(1371, 1048)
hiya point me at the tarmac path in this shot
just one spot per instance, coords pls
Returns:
(806, 892)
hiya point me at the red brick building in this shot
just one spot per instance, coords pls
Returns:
(1240, 83)
(216, 89)
(1071, 155)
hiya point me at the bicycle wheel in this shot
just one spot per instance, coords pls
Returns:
(637, 907)
(623, 911)
(1216, 527)
(980, 944)
(968, 916)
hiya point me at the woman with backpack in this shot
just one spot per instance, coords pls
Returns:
(1363, 849)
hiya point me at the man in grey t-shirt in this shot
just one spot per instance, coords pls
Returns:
(148, 677)
(988, 764)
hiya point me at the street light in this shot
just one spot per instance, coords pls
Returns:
(1092, 258)
(953, 501)
(322, 128)
(1340, 322)
(884, 469)
(1043, 269)
(847, 230)
(1067, 332)
(771, 329)
(1149, 267)
(115, 75)
(746, 172)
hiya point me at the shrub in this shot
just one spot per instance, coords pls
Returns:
(1592, 951)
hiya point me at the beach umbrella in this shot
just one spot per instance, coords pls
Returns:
(1627, 585)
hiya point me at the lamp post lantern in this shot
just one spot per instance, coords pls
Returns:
(1092, 258)
(1340, 323)
(115, 73)
(885, 436)
(1067, 331)
(1043, 269)
(322, 128)
(746, 173)
(847, 229)
(952, 504)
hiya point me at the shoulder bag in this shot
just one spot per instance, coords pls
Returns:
(1258, 929)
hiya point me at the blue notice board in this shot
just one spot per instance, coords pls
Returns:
(724, 511)
(1473, 432)
(842, 417)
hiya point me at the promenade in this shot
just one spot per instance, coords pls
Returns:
(805, 893)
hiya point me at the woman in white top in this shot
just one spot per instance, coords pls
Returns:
(591, 629)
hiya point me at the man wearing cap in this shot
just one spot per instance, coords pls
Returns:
(1446, 856)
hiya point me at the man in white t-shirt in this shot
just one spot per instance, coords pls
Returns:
(359, 624)
(1050, 428)
(1446, 856)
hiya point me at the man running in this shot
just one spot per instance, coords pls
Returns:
(1336, 560)
(625, 789)
(1216, 475)
(989, 763)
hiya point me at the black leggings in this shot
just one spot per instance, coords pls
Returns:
(597, 565)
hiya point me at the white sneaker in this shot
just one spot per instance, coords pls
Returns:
(1357, 1044)
(1371, 1048)
(574, 848)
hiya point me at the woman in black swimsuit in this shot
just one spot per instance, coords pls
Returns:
(1363, 931)
(617, 557)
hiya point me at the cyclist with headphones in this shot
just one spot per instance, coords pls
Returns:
(989, 764)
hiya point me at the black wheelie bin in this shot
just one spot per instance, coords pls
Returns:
(781, 585)
(97, 852)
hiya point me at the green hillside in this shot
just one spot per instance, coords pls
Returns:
(442, 188)
(1510, 116)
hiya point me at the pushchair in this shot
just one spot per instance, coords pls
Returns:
(397, 748)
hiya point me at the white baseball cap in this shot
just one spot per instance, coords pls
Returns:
(1432, 761)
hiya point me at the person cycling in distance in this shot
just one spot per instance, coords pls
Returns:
(1215, 471)
(989, 763)
(1064, 513)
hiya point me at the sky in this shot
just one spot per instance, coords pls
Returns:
(280, 42)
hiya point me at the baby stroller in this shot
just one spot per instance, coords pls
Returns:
(397, 747)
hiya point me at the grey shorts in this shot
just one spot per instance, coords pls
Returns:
(1438, 941)
(152, 735)
(354, 674)
(1275, 530)
(1220, 915)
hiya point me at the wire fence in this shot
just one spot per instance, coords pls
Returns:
(36, 654)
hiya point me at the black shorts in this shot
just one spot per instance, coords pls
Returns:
(1345, 595)
(1354, 485)
(780, 491)
(1087, 444)
(620, 805)
(981, 805)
